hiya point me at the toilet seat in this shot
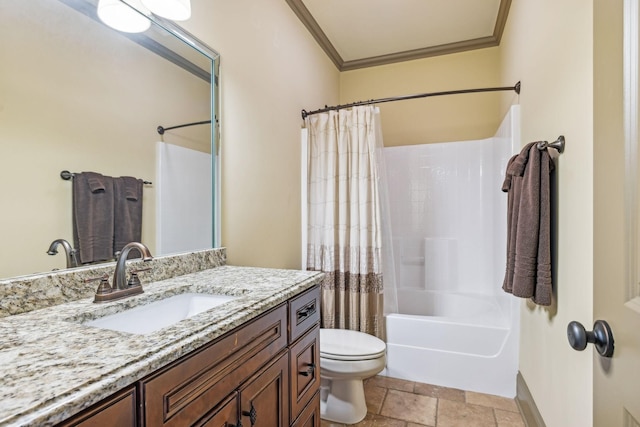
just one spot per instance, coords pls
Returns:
(347, 345)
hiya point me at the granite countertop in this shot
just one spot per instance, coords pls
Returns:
(52, 366)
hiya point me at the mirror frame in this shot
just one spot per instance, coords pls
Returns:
(214, 57)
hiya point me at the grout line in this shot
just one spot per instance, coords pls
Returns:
(384, 398)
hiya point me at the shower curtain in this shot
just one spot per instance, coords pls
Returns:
(345, 230)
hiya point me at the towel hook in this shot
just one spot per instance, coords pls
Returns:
(558, 144)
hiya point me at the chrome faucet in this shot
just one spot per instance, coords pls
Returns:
(120, 276)
(72, 260)
(121, 288)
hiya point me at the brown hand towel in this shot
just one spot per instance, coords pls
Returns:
(93, 216)
(527, 182)
(128, 212)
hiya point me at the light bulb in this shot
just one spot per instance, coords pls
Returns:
(123, 18)
(176, 10)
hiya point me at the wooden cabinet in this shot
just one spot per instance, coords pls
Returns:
(265, 373)
(116, 410)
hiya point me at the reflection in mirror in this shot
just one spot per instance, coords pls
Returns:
(77, 95)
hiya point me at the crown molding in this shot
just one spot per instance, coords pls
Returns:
(311, 24)
(309, 21)
(426, 52)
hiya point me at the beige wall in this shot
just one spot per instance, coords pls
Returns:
(436, 119)
(271, 68)
(62, 108)
(549, 46)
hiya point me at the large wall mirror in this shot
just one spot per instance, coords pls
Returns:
(77, 95)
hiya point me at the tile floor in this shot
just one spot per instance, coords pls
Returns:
(398, 403)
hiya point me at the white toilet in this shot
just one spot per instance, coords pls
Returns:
(346, 359)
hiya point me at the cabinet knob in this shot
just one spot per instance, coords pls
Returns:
(311, 367)
(252, 414)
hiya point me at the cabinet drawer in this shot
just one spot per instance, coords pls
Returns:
(184, 392)
(304, 370)
(304, 313)
(310, 416)
(117, 410)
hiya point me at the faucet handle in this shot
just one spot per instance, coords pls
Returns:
(134, 280)
(104, 287)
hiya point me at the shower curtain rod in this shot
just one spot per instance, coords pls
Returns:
(161, 129)
(515, 88)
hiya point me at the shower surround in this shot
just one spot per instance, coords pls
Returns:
(449, 323)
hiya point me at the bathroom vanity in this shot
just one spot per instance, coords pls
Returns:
(250, 361)
(243, 375)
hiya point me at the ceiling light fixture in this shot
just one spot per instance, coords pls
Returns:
(123, 17)
(176, 10)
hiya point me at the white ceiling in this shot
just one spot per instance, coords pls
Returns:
(362, 33)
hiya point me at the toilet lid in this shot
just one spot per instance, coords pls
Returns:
(344, 344)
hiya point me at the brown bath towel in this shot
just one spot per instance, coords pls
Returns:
(127, 211)
(527, 183)
(93, 216)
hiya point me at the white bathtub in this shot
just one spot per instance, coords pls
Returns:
(454, 340)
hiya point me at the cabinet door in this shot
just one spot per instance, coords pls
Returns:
(304, 370)
(225, 415)
(118, 410)
(310, 415)
(264, 399)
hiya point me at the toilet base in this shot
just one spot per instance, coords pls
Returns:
(342, 401)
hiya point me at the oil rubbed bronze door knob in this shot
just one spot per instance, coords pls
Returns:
(601, 337)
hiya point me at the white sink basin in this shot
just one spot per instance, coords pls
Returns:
(149, 318)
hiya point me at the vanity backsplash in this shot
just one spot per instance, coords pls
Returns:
(27, 293)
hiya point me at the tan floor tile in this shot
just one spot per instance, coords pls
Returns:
(508, 419)
(458, 414)
(415, 425)
(393, 383)
(410, 407)
(374, 397)
(372, 420)
(439, 392)
(325, 423)
(492, 401)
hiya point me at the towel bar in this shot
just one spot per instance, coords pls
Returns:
(66, 175)
(558, 144)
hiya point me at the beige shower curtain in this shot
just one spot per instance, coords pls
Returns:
(344, 230)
